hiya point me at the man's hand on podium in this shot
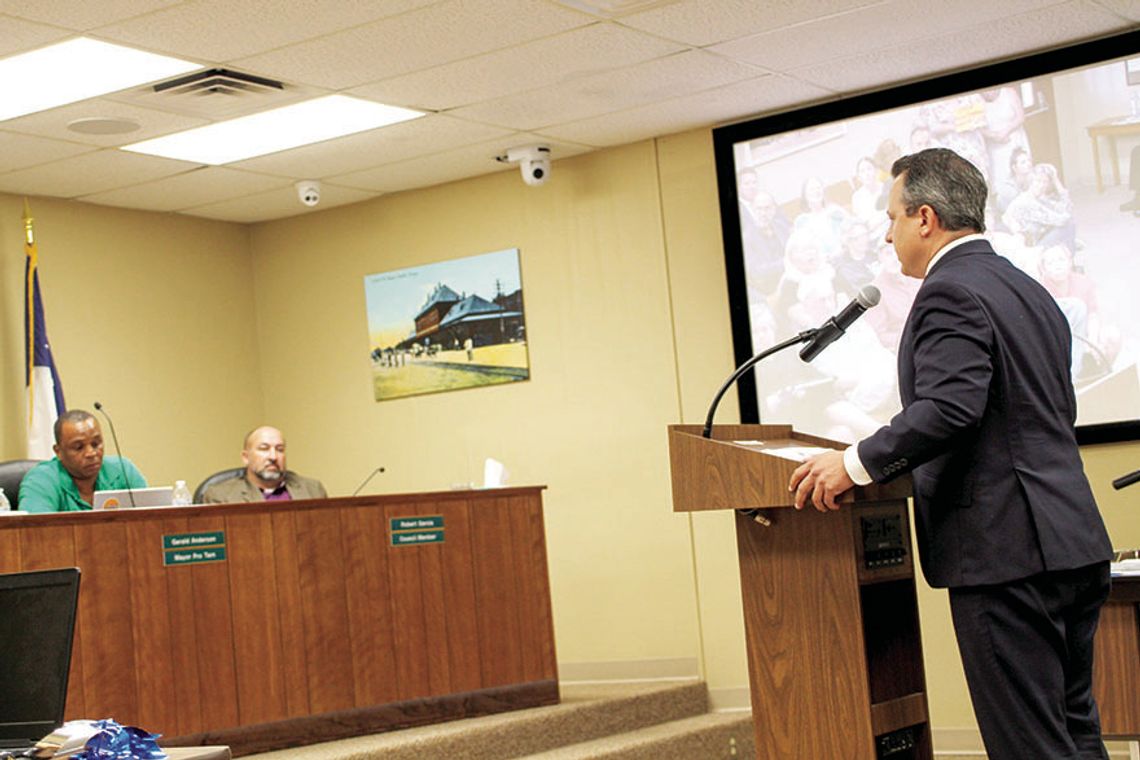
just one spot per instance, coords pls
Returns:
(821, 480)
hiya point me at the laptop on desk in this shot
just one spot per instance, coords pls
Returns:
(37, 624)
(161, 496)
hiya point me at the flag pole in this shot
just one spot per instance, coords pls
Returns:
(29, 313)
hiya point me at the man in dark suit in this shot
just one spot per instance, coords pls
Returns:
(1004, 515)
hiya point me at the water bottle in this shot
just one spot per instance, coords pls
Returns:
(181, 496)
(5, 505)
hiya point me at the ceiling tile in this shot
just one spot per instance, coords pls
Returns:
(277, 204)
(860, 31)
(448, 166)
(221, 30)
(660, 79)
(1129, 9)
(427, 37)
(53, 123)
(20, 151)
(733, 102)
(540, 63)
(81, 15)
(1037, 30)
(18, 35)
(698, 22)
(89, 173)
(198, 187)
(426, 135)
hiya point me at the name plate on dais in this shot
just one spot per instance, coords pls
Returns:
(416, 530)
(193, 548)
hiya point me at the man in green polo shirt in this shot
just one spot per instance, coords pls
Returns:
(68, 482)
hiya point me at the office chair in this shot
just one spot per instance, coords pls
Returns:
(217, 477)
(11, 475)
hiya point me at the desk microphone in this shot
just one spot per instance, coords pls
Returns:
(1126, 480)
(371, 475)
(118, 452)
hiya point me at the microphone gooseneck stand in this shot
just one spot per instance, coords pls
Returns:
(803, 337)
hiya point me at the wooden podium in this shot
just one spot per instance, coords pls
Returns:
(830, 613)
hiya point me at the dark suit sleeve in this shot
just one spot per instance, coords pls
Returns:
(950, 355)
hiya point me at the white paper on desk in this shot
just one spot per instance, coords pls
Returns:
(494, 474)
(797, 453)
(1125, 567)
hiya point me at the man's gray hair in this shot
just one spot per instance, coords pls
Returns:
(74, 416)
(946, 182)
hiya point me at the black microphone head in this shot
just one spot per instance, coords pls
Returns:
(98, 406)
(868, 296)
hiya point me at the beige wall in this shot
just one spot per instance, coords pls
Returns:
(628, 321)
(590, 423)
(151, 314)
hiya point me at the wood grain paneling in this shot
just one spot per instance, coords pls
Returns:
(312, 614)
(10, 551)
(105, 614)
(434, 605)
(729, 472)
(214, 621)
(1116, 665)
(810, 694)
(184, 644)
(457, 571)
(153, 664)
(496, 598)
(407, 609)
(369, 618)
(324, 611)
(295, 672)
(532, 586)
(258, 657)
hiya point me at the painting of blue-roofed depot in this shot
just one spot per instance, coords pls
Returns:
(447, 326)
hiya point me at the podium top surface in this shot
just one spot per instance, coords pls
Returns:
(748, 467)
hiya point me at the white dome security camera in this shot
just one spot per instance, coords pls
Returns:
(308, 191)
(533, 161)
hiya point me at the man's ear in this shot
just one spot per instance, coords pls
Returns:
(929, 219)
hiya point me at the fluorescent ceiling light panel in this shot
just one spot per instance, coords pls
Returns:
(275, 130)
(75, 70)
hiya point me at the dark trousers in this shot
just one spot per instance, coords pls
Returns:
(1027, 648)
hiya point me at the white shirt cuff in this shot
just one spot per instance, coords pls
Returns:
(854, 466)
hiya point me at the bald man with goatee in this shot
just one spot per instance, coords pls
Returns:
(266, 477)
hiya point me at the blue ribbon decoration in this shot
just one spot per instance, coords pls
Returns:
(113, 741)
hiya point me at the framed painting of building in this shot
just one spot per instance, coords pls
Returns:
(447, 326)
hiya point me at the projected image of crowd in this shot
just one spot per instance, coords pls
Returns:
(806, 257)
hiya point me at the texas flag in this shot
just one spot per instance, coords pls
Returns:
(45, 392)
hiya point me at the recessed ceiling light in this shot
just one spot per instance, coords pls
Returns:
(103, 125)
(275, 130)
(75, 70)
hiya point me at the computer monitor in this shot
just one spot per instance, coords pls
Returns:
(37, 625)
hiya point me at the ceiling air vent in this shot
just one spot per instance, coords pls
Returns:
(218, 82)
(216, 94)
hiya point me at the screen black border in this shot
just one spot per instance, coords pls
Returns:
(989, 75)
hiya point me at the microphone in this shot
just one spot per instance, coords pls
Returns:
(371, 475)
(118, 452)
(834, 328)
(1126, 480)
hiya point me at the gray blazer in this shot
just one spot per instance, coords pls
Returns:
(239, 490)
